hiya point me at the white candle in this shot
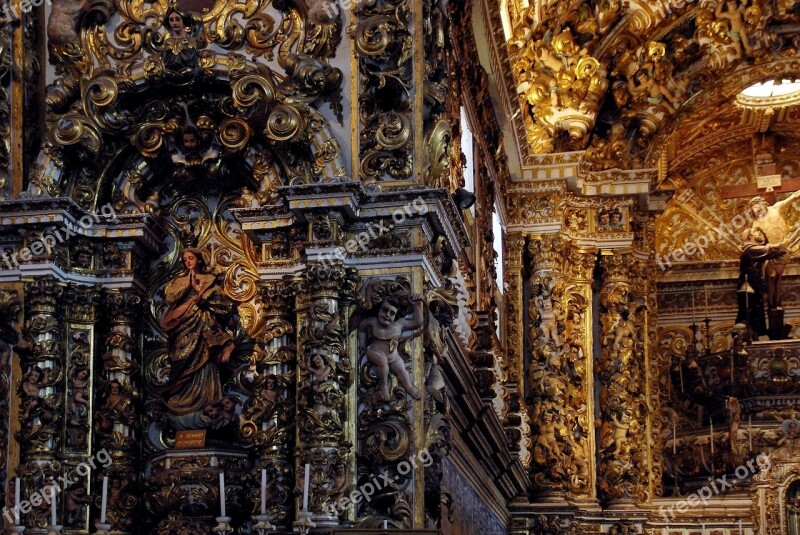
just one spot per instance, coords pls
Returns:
(17, 499)
(263, 491)
(693, 318)
(740, 528)
(711, 435)
(680, 368)
(306, 484)
(385, 524)
(104, 501)
(674, 438)
(222, 494)
(53, 519)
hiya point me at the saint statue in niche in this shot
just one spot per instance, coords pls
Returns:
(198, 323)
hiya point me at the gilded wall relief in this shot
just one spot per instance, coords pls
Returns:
(251, 127)
(381, 33)
(623, 468)
(557, 373)
(388, 316)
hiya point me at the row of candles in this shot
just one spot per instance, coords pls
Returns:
(306, 484)
(53, 504)
(711, 435)
(104, 500)
(222, 505)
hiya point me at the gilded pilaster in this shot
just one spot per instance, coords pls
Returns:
(116, 397)
(623, 472)
(323, 377)
(81, 316)
(578, 284)
(514, 386)
(645, 293)
(5, 108)
(10, 309)
(267, 418)
(557, 372)
(41, 389)
(386, 75)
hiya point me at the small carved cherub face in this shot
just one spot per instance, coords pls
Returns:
(190, 141)
(616, 219)
(190, 260)
(604, 219)
(387, 314)
(339, 469)
(176, 24)
(34, 376)
(82, 374)
(212, 411)
(318, 362)
(228, 404)
(271, 384)
(114, 388)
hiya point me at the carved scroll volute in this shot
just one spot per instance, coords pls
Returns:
(323, 377)
(41, 391)
(381, 33)
(117, 417)
(622, 475)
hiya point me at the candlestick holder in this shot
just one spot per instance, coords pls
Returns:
(18, 529)
(102, 529)
(262, 525)
(54, 530)
(223, 525)
(707, 337)
(676, 489)
(304, 524)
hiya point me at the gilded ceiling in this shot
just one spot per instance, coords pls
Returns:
(646, 85)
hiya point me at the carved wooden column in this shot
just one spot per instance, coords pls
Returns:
(644, 289)
(10, 308)
(323, 377)
(116, 425)
(81, 316)
(579, 268)
(268, 416)
(514, 384)
(41, 391)
(557, 371)
(622, 477)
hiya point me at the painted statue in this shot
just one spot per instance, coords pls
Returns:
(197, 323)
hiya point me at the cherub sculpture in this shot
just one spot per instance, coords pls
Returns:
(548, 320)
(733, 12)
(380, 334)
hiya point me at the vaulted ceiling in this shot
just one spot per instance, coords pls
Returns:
(650, 85)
